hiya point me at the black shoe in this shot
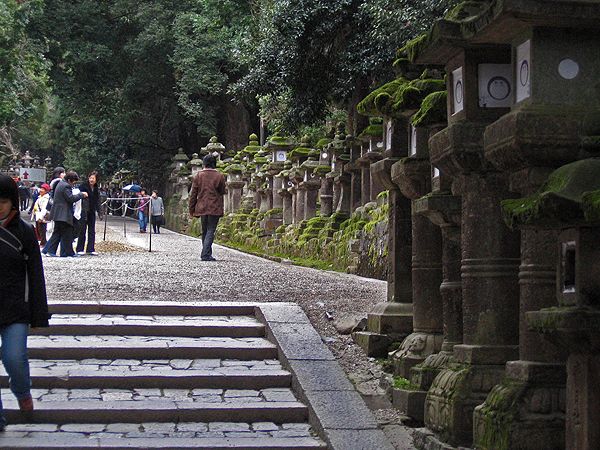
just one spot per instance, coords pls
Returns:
(210, 258)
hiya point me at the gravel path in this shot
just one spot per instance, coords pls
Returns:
(126, 271)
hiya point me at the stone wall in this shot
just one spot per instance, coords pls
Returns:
(357, 244)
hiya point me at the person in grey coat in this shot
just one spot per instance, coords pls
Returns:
(62, 214)
(157, 212)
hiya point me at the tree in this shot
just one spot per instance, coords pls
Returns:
(23, 71)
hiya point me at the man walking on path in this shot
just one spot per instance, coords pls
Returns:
(206, 202)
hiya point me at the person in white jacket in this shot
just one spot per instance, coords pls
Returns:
(40, 213)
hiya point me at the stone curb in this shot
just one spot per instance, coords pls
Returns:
(336, 410)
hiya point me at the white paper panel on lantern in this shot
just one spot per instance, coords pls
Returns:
(389, 130)
(281, 156)
(458, 90)
(413, 141)
(436, 172)
(523, 71)
(495, 85)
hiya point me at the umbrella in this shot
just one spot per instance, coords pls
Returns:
(133, 188)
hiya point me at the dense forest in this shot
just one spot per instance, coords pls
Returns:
(122, 84)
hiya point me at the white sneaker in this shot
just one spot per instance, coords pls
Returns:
(81, 253)
(93, 253)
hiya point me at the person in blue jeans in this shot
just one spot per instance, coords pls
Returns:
(143, 204)
(23, 300)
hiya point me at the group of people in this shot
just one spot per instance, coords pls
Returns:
(150, 210)
(71, 208)
(23, 294)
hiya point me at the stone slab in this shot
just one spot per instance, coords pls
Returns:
(318, 376)
(277, 313)
(342, 410)
(411, 403)
(152, 308)
(160, 411)
(140, 347)
(298, 341)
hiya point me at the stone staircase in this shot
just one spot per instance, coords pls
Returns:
(157, 376)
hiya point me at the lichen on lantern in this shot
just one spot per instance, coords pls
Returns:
(374, 103)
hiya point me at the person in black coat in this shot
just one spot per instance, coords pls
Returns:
(62, 214)
(89, 208)
(22, 296)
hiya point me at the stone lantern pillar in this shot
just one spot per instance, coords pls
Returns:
(353, 169)
(299, 175)
(279, 148)
(310, 185)
(251, 199)
(235, 186)
(372, 145)
(490, 251)
(326, 192)
(263, 189)
(341, 148)
(413, 176)
(286, 195)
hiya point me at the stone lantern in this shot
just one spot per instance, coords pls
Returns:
(299, 175)
(570, 327)
(251, 199)
(195, 164)
(214, 147)
(179, 160)
(285, 194)
(324, 167)
(310, 185)
(235, 186)
(279, 148)
(27, 160)
(477, 85)
(371, 152)
(341, 179)
(554, 65)
(261, 179)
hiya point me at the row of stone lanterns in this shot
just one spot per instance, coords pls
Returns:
(483, 302)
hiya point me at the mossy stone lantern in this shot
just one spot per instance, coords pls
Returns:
(195, 164)
(568, 203)
(180, 159)
(279, 147)
(214, 147)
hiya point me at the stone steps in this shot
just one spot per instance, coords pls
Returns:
(158, 375)
(148, 347)
(85, 411)
(176, 326)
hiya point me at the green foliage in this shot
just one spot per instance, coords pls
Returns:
(23, 69)
(305, 55)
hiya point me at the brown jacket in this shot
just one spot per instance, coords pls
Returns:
(206, 197)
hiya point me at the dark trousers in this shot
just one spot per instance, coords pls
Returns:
(63, 235)
(209, 226)
(87, 225)
(40, 228)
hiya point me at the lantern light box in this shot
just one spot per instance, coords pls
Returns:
(457, 90)
(495, 86)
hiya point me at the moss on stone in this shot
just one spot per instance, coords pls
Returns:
(322, 142)
(374, 130)
(371, 105)
(498, 413)
(560, 201)
(411, 48)
(433, 110)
